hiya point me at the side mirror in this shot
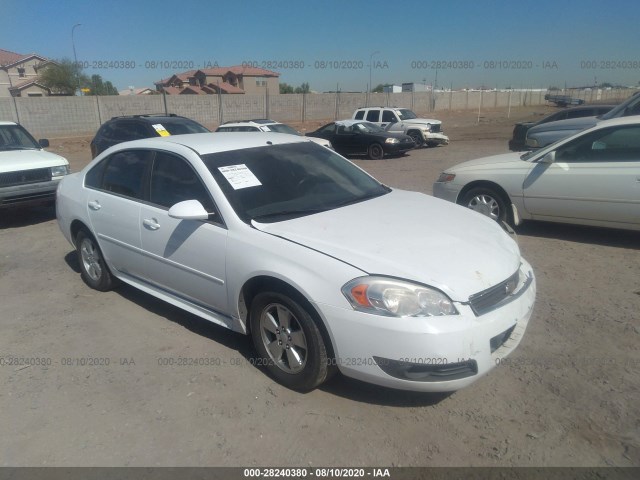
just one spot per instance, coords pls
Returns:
(188, 210)
(549, 158)
(44, 143)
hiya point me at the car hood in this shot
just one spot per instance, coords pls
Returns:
(512, 158)
(570, 124)
(422, 121)
(13, 160)
(412, 236)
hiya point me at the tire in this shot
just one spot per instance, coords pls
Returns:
(417, 138)
(375, 151)
(93, 269)
(488, 202)
(288, 342)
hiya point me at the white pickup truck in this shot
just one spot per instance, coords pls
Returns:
(424, 131)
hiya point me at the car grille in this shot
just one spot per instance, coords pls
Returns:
(23, 177)
(488, 299)
(436, 128)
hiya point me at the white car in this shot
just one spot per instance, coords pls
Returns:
(274, 236)
(29, 175)
(266, 125)
(590, 178)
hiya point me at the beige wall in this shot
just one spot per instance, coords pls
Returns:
(272, 84)
(4, 83)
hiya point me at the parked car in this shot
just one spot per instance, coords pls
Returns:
(591, 178)
(29, 175)
(542, 135)
(136, 127)
(354, 137)
(517, 142)
(424, 131)
(563, 100)
(325, 267)
(266, 125)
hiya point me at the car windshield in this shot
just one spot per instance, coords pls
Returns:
(406, 114)
(282, 128)
(367, 127)
(182, 126)
(15, 137)
(279, 182)
(631, 106)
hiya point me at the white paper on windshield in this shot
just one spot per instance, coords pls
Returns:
(239, 176)
(163, 132)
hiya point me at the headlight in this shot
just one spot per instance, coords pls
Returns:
(427, 128)
(59, 170)
(396, 298)
(391, 140)
(532, 142)
(446, 177)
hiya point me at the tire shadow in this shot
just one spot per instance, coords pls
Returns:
(26, 216)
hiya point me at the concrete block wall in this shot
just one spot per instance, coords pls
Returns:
(76, 116)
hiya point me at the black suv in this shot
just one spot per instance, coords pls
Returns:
(135, 127)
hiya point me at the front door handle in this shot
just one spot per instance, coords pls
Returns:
(151, 223)
(94, 205)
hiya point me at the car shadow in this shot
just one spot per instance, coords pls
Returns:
(339, 385)
(608, 237)
(363, 392)
(26, 216)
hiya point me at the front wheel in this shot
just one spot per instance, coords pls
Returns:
(487, 202)
(375, 151)
(417, 138)
(288, 342)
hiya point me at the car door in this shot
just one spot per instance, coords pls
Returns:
(594, 177)
(115, 188)
(184, 257)
(348, 140)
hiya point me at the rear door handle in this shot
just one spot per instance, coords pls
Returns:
(94, 205)
(151, 223)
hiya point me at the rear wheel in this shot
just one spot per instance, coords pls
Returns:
(93, 269)
(375, 151)
(488, 202)
(288, 341)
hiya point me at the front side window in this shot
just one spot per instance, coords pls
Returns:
(388, 116)
(614, 144)
(173, 181)
(278, 182)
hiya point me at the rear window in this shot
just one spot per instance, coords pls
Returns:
(181, 126)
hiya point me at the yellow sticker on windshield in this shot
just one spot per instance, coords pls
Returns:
(161, 130)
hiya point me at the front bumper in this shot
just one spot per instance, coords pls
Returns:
(29, 194)
(431, 138)
(430, 354)
(447, 191)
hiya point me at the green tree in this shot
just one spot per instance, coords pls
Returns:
(97, 87)
(304, 88)
(380, 88)
(63, 77)
(286, 88)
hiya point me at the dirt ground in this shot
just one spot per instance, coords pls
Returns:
(101, 393)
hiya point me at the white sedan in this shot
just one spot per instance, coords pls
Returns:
(590, 178)
(328, 269)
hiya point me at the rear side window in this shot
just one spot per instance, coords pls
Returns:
(373, 116)
(124, 173)
(359, 115)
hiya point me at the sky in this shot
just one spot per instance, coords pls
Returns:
(339, 44)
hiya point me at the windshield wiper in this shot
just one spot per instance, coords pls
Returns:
(285, 213)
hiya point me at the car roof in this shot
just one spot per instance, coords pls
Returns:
(349, 122)
(214, 142)
(630, 120)
(151, 117)
(7, 123)
(257, 122)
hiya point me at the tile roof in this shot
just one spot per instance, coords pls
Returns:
(240, 70)
(7, 57)
(225, 87)
(26, 83)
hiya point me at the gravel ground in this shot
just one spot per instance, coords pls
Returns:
(567, 397)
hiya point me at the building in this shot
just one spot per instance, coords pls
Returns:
(415, 87)
(19, 74)
(138, 91)
(226, 80)
(392, 89)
